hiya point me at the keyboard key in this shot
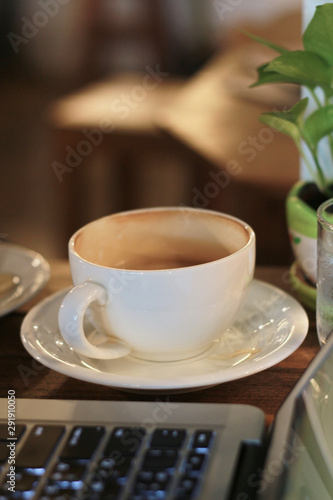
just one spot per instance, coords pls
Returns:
(51, 490)
(148, 495)
(106, 487)
(124, 441)
(153, 491)
(145, 476)
(5, 438)
(167, 438)
(82, 443)
(154, 484)
(25, 485)
(19, 429)
(202, 439)
(39, 445)
(111, 491)
(160, 459)
(187, 488)
(116, 468)
(68, 475)
(195, 462)
(54, 492)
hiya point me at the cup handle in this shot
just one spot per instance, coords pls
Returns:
(70, 320)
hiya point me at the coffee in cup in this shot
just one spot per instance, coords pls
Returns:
(160, 283)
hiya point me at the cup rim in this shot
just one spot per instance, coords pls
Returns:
(320, 214)
(245, 225)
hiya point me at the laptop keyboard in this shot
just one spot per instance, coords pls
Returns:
(102, 463)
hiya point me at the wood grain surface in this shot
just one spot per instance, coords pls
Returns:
(30, 379)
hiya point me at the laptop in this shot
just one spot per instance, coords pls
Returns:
(98, 450)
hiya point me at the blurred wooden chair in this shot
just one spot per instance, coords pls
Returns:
(104, 137)
(124, 35)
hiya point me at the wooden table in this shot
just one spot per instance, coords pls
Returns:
(30, 379)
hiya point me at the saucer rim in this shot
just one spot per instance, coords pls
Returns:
(32, 287)
(178, 384)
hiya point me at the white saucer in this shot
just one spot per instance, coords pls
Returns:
(32, 272)
(270, 326)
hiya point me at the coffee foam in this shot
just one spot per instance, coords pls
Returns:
(160, 239)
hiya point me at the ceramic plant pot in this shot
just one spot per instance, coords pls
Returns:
(301, 210)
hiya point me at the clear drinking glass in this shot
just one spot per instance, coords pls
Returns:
(324, 309)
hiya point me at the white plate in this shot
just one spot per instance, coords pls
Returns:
(270, 326)
(32, 270)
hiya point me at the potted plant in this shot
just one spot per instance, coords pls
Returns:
(309, 123)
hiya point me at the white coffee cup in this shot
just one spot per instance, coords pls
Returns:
(160, 283)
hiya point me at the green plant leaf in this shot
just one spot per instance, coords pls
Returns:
(283, 122)
(265, 77)
(298, 109)
(287, 121)
(318, 36)
(311, 68)
(305, 67)
(318, 125)
(277, 48)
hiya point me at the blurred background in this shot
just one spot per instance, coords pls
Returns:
(109, 105)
